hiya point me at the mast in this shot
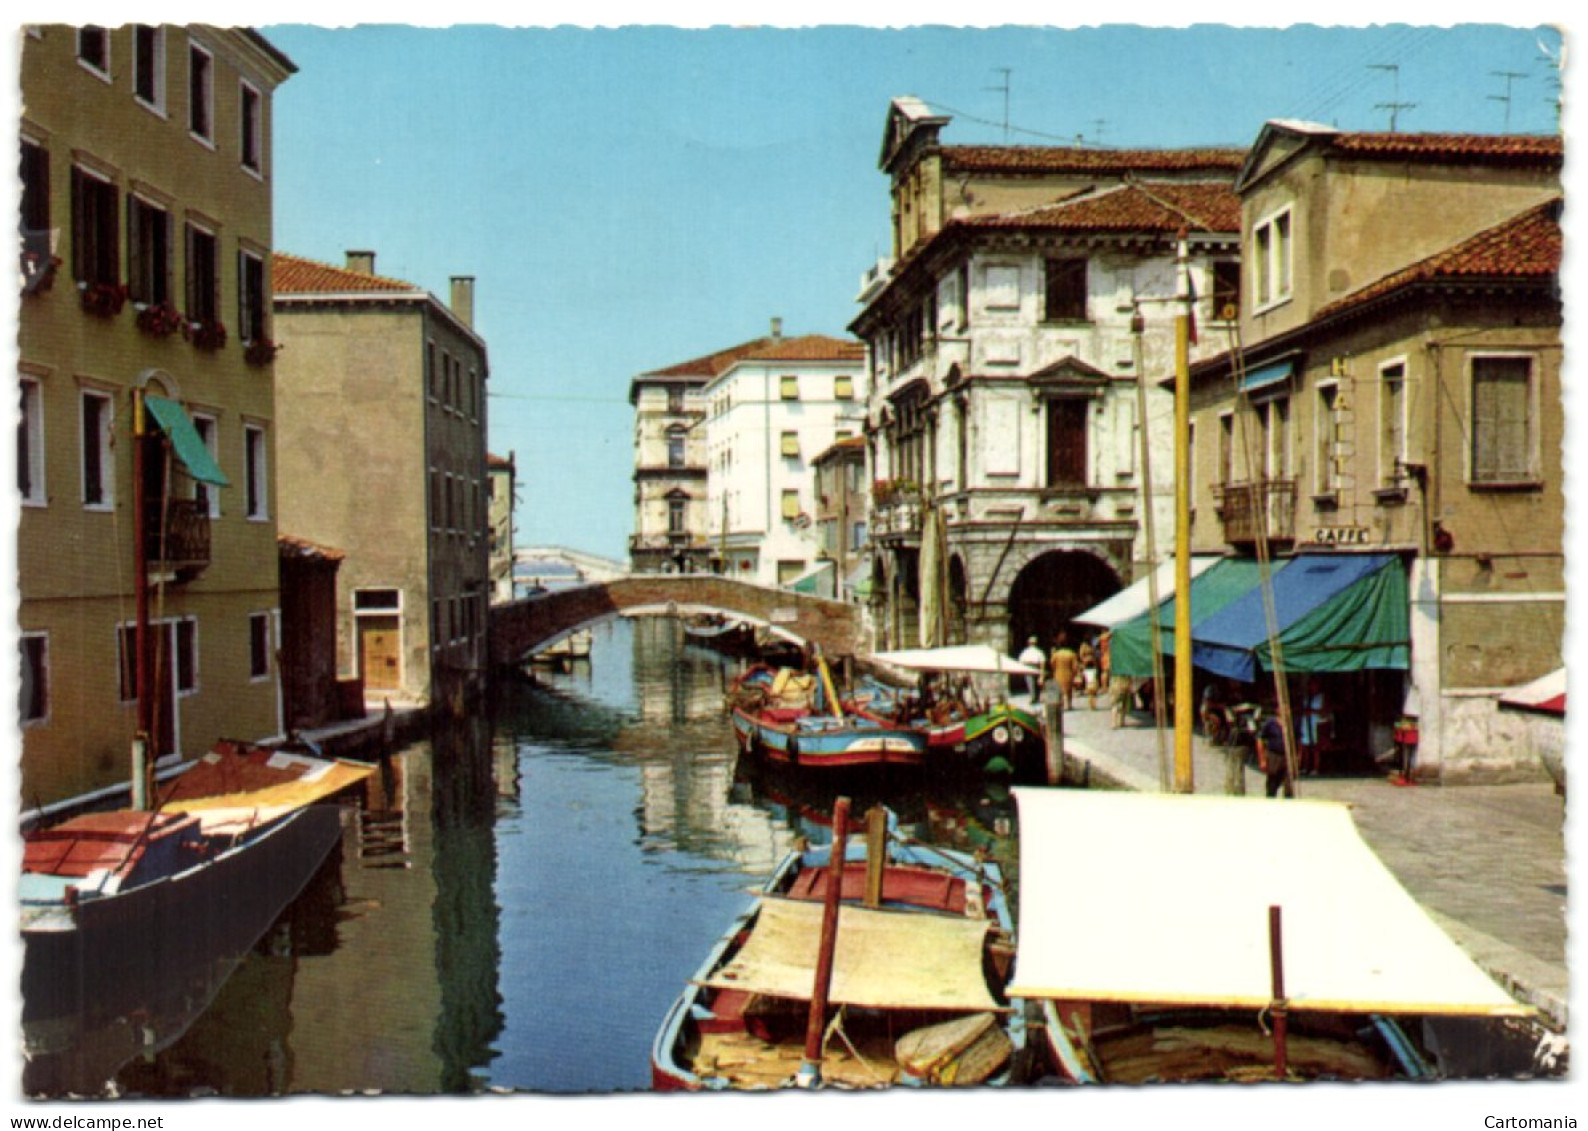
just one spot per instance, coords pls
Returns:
(1183, 782)
(143, 639)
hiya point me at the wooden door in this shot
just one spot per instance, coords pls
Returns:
(1067, 442)
(380, 653)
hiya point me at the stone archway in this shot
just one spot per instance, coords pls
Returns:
(1052, 589)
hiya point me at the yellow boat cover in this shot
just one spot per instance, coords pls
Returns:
(273, 784)
(1164, 898)
(883, 959)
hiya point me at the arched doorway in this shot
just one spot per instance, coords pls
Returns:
(958, 598)
(1052, 589)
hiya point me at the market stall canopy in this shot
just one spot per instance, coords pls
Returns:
(956, 658)
(1179, 916)
(882, 960)
(1136, 598)
(1333, 613)
(1130, 644)
(1546, 695)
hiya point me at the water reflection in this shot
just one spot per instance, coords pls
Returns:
(524, 893)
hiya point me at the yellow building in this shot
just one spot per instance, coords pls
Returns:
(146, 211)
(383, 426)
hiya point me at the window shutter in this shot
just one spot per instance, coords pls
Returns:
(791, 504)
(791, 444)
(790, 387)
(844, 388)
(1501, 431)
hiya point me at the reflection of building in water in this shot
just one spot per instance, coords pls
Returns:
(674, 683)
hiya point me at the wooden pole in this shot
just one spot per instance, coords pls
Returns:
(143, 639)
(1183, 782)
(1053, 736)
(810, 1069)
(1276, 959)
(876, 853)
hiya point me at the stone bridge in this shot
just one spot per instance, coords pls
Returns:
(521, 628)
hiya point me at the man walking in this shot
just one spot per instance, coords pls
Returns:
(1065, 666)
(1032, 657)
(1271, 758)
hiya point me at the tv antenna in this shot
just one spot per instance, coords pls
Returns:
(1509, 77)
(1396, 106)
(1006, 72)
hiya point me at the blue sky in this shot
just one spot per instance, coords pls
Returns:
(629, 198)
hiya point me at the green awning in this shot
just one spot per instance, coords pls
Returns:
(190, 447)
(1130, 646)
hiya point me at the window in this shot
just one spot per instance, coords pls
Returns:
(1327, 439)
(98, 471)
(258, 646)
(1002, 288)
(249, 114)
(844, 388)
(1067, 456)
(148, 65)
(675, 446)
(255, 484)
(30, 446)
(1065, 292)
(963, 295)
(94, 229)
(791, 445)
(1273, 417)
(789, 388)
(35, 187)
(1271, 259)
(857, 536)
(148, 252)
(1226, 452)
(186, 632)
(200, 93)
(432, 374)
(1392, 423)
(33, 704)
(93, 49)
(675, 398)
(791, 504)
(1502, 426)
(208, 498)
(203, 275)
(675, 515)
(250, 297)
(1226, 290)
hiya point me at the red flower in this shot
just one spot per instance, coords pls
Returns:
(103, 299)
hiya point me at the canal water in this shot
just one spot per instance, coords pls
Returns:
(524, 892)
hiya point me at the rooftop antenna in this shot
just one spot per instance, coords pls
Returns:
(1099, 123)
(1006, 72)
(1396, 106)
(1556, 63)
(1509, 77)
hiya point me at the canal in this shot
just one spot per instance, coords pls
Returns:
(524, 892)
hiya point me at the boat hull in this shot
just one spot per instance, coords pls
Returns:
(828, 744)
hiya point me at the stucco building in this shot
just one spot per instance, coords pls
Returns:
(843, 499)
(382, 423)
(1016, 338)
(146, 170)
(1399, 394)
(502, 478)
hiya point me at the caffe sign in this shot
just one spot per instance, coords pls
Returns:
(1340, 536)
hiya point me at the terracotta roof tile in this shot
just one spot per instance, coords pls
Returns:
(1138, 207)
(1546, 149)
(1527, 246)
(494, 461)
(712, 363)
(1065, 159)
(811, 347)
(292, 274)
(289, 546)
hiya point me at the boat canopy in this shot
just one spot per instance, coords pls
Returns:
(1177, 914)
(882, 960)
(956, 658)
(812, 581)
(1545, 695)
(1136, 598)
(185, 440)
(1333, 613)
(1130, 644)
(240, 785)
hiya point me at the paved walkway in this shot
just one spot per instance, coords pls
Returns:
(1488, 863)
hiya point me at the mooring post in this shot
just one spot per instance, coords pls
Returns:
(1053, 731)
(810, 1069)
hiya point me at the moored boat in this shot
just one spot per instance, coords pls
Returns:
(917, 958)
(786, 717)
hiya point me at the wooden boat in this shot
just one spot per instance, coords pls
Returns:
(121, 910)
(1263, 940)
(721, 634)
(784, 716)
(917, 975)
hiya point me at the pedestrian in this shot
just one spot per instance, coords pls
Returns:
(1315, 720)
(1120, 688)
(1271, 757)
(1032, 657)
(1066, 667)
(1086, 654)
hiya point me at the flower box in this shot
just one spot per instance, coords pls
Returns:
(102, 299)
(205, 335)
(160, 319)
(261, 351)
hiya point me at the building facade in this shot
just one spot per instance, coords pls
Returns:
(383, 423)
(146, 217)
(502, 476)
(1016, 340)
(843, 499)
(1399, 393)
(768, 415)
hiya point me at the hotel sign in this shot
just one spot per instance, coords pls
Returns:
(1340, 536)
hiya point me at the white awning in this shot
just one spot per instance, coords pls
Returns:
(1135, 599)
(1163, 899)
(956, 658)
(1546, 695)
(882, 959)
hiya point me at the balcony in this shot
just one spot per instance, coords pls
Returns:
(177, 535)
(1263, 509)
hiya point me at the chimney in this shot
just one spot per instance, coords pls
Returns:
(777, 329)
(361, 262)
(463, 299)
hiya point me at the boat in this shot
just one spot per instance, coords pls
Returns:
(1263, 940)
(793, 718)
(721, 634)
(916, 957)
(131, 916)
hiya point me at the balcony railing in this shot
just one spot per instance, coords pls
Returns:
(1257, 510)
(177, 534)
